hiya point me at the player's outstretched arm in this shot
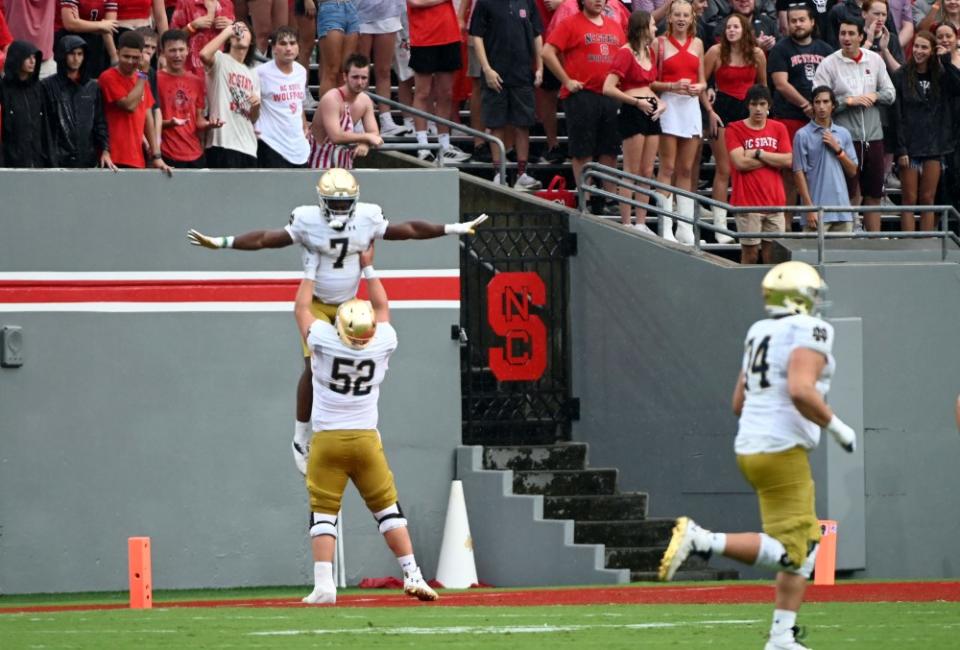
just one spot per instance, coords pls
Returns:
(804, 368)
(425, 230)
(378, 295)
(301, 307)
(248, 241)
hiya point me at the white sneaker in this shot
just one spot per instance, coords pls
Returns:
(527, 182)
(891, 182)
(787, 641)
(687, 538)
(454, 154)
(300, 454)
(321, 596)
(309, 103)
(642, 227)
(389, 128)
(414, 585)
(496, 178)
(425, 155)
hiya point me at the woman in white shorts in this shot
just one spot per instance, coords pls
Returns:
(379, 25)
(680, 82)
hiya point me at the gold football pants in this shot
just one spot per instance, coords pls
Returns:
(354, 454)
(785, 489)
(321, 311)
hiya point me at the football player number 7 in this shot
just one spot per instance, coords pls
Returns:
(351, 379)
(757, 363)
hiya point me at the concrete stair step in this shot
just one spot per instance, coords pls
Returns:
(644, 558)
(596, 507)
(637, 532)
(699, 575)
(536, 457)
(566, 482)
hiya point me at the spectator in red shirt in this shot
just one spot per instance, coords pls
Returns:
(95, 21)
(132, 14)
(759, 148)
(203, 20)
(127, 100)
(182, 103)
(587, 42)
(5, 39)
(434, 57)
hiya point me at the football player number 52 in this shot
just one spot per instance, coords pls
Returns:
(757, 366)
(350, 377)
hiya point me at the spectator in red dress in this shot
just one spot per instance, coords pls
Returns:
(203, 20)
(759, 148)
(182, 103)
(127, 101)
(132, 14)
(95, 21)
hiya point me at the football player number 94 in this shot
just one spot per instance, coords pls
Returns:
(757, 365)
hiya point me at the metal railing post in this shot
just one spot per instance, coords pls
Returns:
(821, 239)
(493, 140)
(943, 239)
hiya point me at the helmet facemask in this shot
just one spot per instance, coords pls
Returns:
(337, 195)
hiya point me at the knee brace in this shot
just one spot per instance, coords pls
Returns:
(806, 570)
(321, 524)
(772, 554)
(390, 518)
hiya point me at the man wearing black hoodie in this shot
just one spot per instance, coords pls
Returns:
(75, 110)
(25, 136)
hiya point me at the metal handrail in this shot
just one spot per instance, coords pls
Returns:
(621, 178)
(416, 112)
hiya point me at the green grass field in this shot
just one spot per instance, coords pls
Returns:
(894, 626)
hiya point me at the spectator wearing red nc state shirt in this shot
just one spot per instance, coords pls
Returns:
(759, 148)
(580, 51)
(182, 104)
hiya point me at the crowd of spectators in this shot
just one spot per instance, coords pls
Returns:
(224, 83)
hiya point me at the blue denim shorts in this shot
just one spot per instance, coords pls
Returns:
(337, 15)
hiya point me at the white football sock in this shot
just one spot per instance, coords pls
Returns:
(407, 563)
(783, 620)
(422, 137)
(444, 139)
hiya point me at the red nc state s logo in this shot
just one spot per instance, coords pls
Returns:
(524, 354)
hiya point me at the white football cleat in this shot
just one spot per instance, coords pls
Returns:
(787, 641)
(687, 538)
(321, 596)
(414, 585)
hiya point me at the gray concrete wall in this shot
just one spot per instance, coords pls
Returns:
(657, 338)
(178, 425)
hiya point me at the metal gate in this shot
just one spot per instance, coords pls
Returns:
(514, 330)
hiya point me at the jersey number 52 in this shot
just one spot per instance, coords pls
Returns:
(350, 377)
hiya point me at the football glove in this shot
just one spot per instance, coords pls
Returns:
(467, 228)
(843, 434)
(199, 239)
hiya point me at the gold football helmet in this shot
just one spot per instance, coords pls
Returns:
(356, 323)
(337, 195)
(793, 288)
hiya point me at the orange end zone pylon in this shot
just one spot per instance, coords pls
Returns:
(141, 581)
(824, 571)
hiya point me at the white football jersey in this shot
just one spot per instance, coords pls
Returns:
(338, 275)
(346, 382)
(769, 421)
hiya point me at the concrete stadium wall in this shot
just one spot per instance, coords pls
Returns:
(658, 335)
(177, 425)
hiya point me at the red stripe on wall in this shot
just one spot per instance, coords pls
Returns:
(30, 291)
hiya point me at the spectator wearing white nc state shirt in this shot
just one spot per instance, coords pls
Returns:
(282, 125)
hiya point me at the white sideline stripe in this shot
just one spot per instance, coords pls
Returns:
(162, 307)
(159, 276)
(492, 629)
